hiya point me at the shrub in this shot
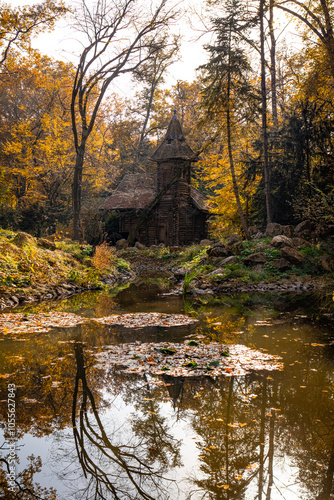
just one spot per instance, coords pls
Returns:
(103, 257)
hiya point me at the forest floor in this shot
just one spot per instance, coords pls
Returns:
(34, 269)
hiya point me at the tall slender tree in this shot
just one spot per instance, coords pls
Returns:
(227, 88)
(264, 113)
(120, 38)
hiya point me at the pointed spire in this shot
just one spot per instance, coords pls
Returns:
(174, 145)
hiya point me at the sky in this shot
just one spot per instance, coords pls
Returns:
(62, 41)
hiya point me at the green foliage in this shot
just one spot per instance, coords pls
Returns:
(311, 251)
(192, 254)
(122, 264)
(191, 364)
(189, 277)
(193, 343)
(78, 251)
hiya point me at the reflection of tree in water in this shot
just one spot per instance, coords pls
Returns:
(127, 470)
(153, 431)
(25, 486)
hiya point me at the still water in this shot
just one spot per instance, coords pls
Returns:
(86, 431)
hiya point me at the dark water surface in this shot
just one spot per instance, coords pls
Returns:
(85, 431)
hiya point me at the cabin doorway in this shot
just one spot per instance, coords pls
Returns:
(163, 232)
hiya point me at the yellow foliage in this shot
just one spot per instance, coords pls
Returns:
(104, 257)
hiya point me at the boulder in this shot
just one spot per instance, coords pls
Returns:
(323, 231)
(292, 255)
(273, 229)
(233, 259)
(205, 243)
(280, 241)
(21, 239)
(217, 250)
(282, 264)
(299, 242)
(258, 236)
(306, 225)
(255, 259)
(139, 245)
(234, 238)
(215, 272)
(236, 248)
(304, 229)
(253, 230)
(44, 243)
(179, 274)
(288, 231)
(121, 244)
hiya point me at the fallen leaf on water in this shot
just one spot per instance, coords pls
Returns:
(37, 323)
(140, 320)
(134, 358)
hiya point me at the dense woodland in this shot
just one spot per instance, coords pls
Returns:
(259, 113)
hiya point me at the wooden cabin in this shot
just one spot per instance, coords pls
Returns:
(179, 215)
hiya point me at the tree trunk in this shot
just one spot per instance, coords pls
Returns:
(76, 191)
(264, 115)
(229, 145)
(273, 65)
(234, 179)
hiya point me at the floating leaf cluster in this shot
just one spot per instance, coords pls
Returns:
(37, 323)
(184, 360)
(142, 320)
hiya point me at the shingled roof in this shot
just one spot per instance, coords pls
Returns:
(134, 191)
(174, 145)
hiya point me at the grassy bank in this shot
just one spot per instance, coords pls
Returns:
(195, 264)
(31, 269)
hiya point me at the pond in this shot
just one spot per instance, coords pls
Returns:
(85, 429)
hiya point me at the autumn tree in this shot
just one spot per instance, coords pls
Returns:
(317, 17)
(18, 25)
(227, 87)
(120, 38)
(35, 134)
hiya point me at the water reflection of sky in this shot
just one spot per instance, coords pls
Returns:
(204, 435)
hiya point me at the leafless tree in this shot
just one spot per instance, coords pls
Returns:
(121, 36)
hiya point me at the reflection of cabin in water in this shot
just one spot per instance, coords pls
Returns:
(180, 215)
